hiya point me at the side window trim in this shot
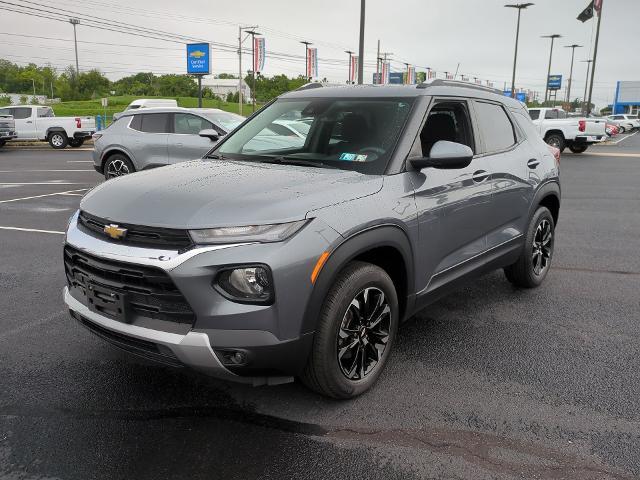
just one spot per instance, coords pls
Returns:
(517, 139)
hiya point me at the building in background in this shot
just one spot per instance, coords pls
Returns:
(223, 86)
(627, 98)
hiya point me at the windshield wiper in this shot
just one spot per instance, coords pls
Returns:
(284, 160)
(216, 156)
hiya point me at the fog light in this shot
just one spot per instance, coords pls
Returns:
(250, 284)
(232, 357)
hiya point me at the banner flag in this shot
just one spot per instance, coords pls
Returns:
(432, 74)
(353, 70)
(587, 13)
(259, 55)
(312, 63)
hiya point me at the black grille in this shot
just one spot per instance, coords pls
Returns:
(138, 235)
(143, 348)
(150, 292)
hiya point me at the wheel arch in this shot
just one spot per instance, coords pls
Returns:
(114, 151)
(548, 196)
(386, 246)
(51, 130)
(554, 132)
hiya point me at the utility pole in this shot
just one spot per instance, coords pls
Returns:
(377, 79)
(74, 22)
(306, 59)
(573, 52)
(350, 79)
(34, 87)
(361, 44)
(240, 69)
(253, 34)
(595, 56)
(552, 37)
(586, 85)
(520, 7)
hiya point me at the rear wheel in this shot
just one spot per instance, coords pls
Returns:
(117, 165)
(76, 142)
(2, 142)
(58, 140)
(556, 140)
(578, 148)
(355, 333)
(532, 267)
(621, 129)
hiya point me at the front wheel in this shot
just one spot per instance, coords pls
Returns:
(117, 165)
(2, 142)
(76, 142)
(532, 266)
(621, 129)
(58, 140)
(578, 148)
(355, 332)
(556, 140)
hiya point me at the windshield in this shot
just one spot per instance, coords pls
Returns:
(228, 121)
(351, 134)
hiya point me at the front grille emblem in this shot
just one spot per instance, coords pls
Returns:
(115, 232)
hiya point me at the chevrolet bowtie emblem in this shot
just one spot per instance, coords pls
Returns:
(115, 232)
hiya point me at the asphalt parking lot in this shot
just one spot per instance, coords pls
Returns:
(491, 382)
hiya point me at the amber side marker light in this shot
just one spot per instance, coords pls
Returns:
(319, 264)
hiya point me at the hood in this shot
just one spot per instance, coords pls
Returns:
(203, 193)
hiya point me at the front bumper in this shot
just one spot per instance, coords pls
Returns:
(271, 337)
(8, 135)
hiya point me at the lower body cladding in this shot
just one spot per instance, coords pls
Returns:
(197, 326)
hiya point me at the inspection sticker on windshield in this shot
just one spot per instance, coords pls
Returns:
(352, 157)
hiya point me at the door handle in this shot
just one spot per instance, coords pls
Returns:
(179, 144)
(480, 176)
(533, 163)
(29, 121)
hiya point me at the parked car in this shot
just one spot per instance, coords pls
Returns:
(625, 123)
(562, 131)
(33, 122)
(258, 266)
(7, 129)
(292, 128)
(611, 129)
(152, 137)
(148, 103)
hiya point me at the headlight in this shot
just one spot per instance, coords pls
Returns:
(252, 284)
(251, 233)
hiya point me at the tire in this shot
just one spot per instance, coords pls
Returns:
(76, 142)
(341, 330)
(556, 140)
(58, 140)
(531, 268)
(578, 148)
(117, 165)
(621, 129)
(2, 143)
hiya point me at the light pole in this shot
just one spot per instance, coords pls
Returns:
(74, 22)
(595, 55)
(552, 37)
(586, 85)
(520, 7)
(253, 34)
(350, 78)
(361, 44)
(306, 58)
(573, 52)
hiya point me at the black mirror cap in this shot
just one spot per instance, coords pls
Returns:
(441, 163)
(210, 134)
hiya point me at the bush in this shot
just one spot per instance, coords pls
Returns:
(5, 100)
(24, 99)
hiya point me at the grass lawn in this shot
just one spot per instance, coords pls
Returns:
(118, 104)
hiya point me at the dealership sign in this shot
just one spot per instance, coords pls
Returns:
(198, 56)
(554, 82)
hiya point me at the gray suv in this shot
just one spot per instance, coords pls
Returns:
(152, 137)
(260, 266)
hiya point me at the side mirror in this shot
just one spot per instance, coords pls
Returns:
(445, 155)
(210, 133)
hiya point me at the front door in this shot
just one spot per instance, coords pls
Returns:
(185, 143)
(25, 123)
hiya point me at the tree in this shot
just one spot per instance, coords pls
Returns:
(226, 76)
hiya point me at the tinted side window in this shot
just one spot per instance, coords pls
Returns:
(136, 122)
(495, 126)
(551, 114)
(447, 121)
(186, 123)
(20, 113)
(44, 112)
(534, 114)
(155, 122)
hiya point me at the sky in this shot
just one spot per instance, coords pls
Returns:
(477, 35)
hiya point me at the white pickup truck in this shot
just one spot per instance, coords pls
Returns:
(7, 129)
(40, 123)
(574, 133)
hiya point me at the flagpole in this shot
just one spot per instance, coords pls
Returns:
(595, 55)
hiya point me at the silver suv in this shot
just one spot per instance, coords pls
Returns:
(261, 265)
(152, 137)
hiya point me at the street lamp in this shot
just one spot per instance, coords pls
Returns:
(74, 22)
(520, 7)
(586, 108)
(573, 51)
(552, 37)
(306, 57)
(351, 75)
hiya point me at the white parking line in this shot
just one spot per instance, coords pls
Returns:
(624, 138)
(79, 161)
(43, 183)
(31, 171)
(45, 195)
(31, 230)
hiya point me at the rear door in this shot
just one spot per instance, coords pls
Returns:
(511, 159)
(184, 143)
(25, 123)
(148, 139)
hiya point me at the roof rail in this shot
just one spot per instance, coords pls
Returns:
(437, 82)
(310, 86)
